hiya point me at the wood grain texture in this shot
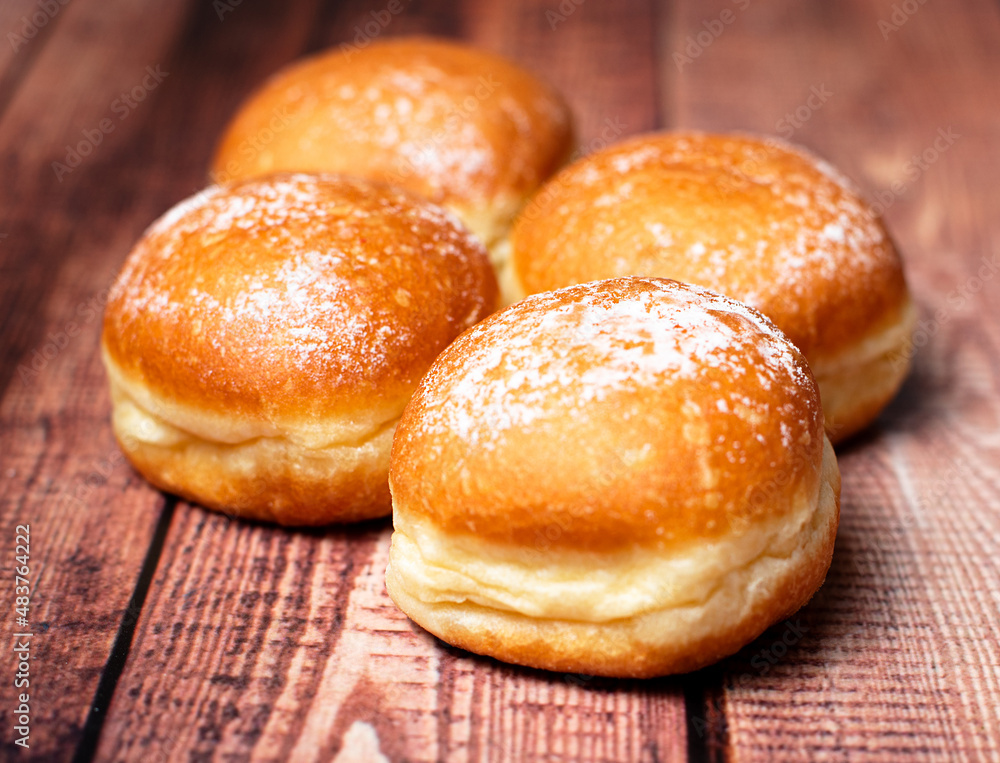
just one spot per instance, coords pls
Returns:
(264, 644)
(71, 89)
(601, 57)
(270, 645)
(898, 656)
(25, 28)
(91, 518)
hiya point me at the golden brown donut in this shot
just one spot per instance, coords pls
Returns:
(262, 340)
(466, 128)
(622, 478)
(757, 219)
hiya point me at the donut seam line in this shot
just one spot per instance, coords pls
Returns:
(187, 437)
(809, 529)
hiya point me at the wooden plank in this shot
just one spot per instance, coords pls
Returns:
(262, 643)
(70, 93)
(274, 644)
(40, 206)
(898, 655)
(599, 56)
(257, 642)
(92, 518)
(23, 25)
(26, 26)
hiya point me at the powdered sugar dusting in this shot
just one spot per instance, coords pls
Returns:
(758, 219)
(586, 344)
(321, 276)
(457, 125)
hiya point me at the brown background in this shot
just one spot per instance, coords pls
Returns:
(163, 632)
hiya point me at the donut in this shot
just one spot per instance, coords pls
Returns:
(465, 128)
(753, 218)
(262, 340)
(624, 478)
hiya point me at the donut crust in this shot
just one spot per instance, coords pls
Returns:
(263, 338)
(463, 127)
(626, 478)
(757, 219)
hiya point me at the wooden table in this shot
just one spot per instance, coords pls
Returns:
(165, 632)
